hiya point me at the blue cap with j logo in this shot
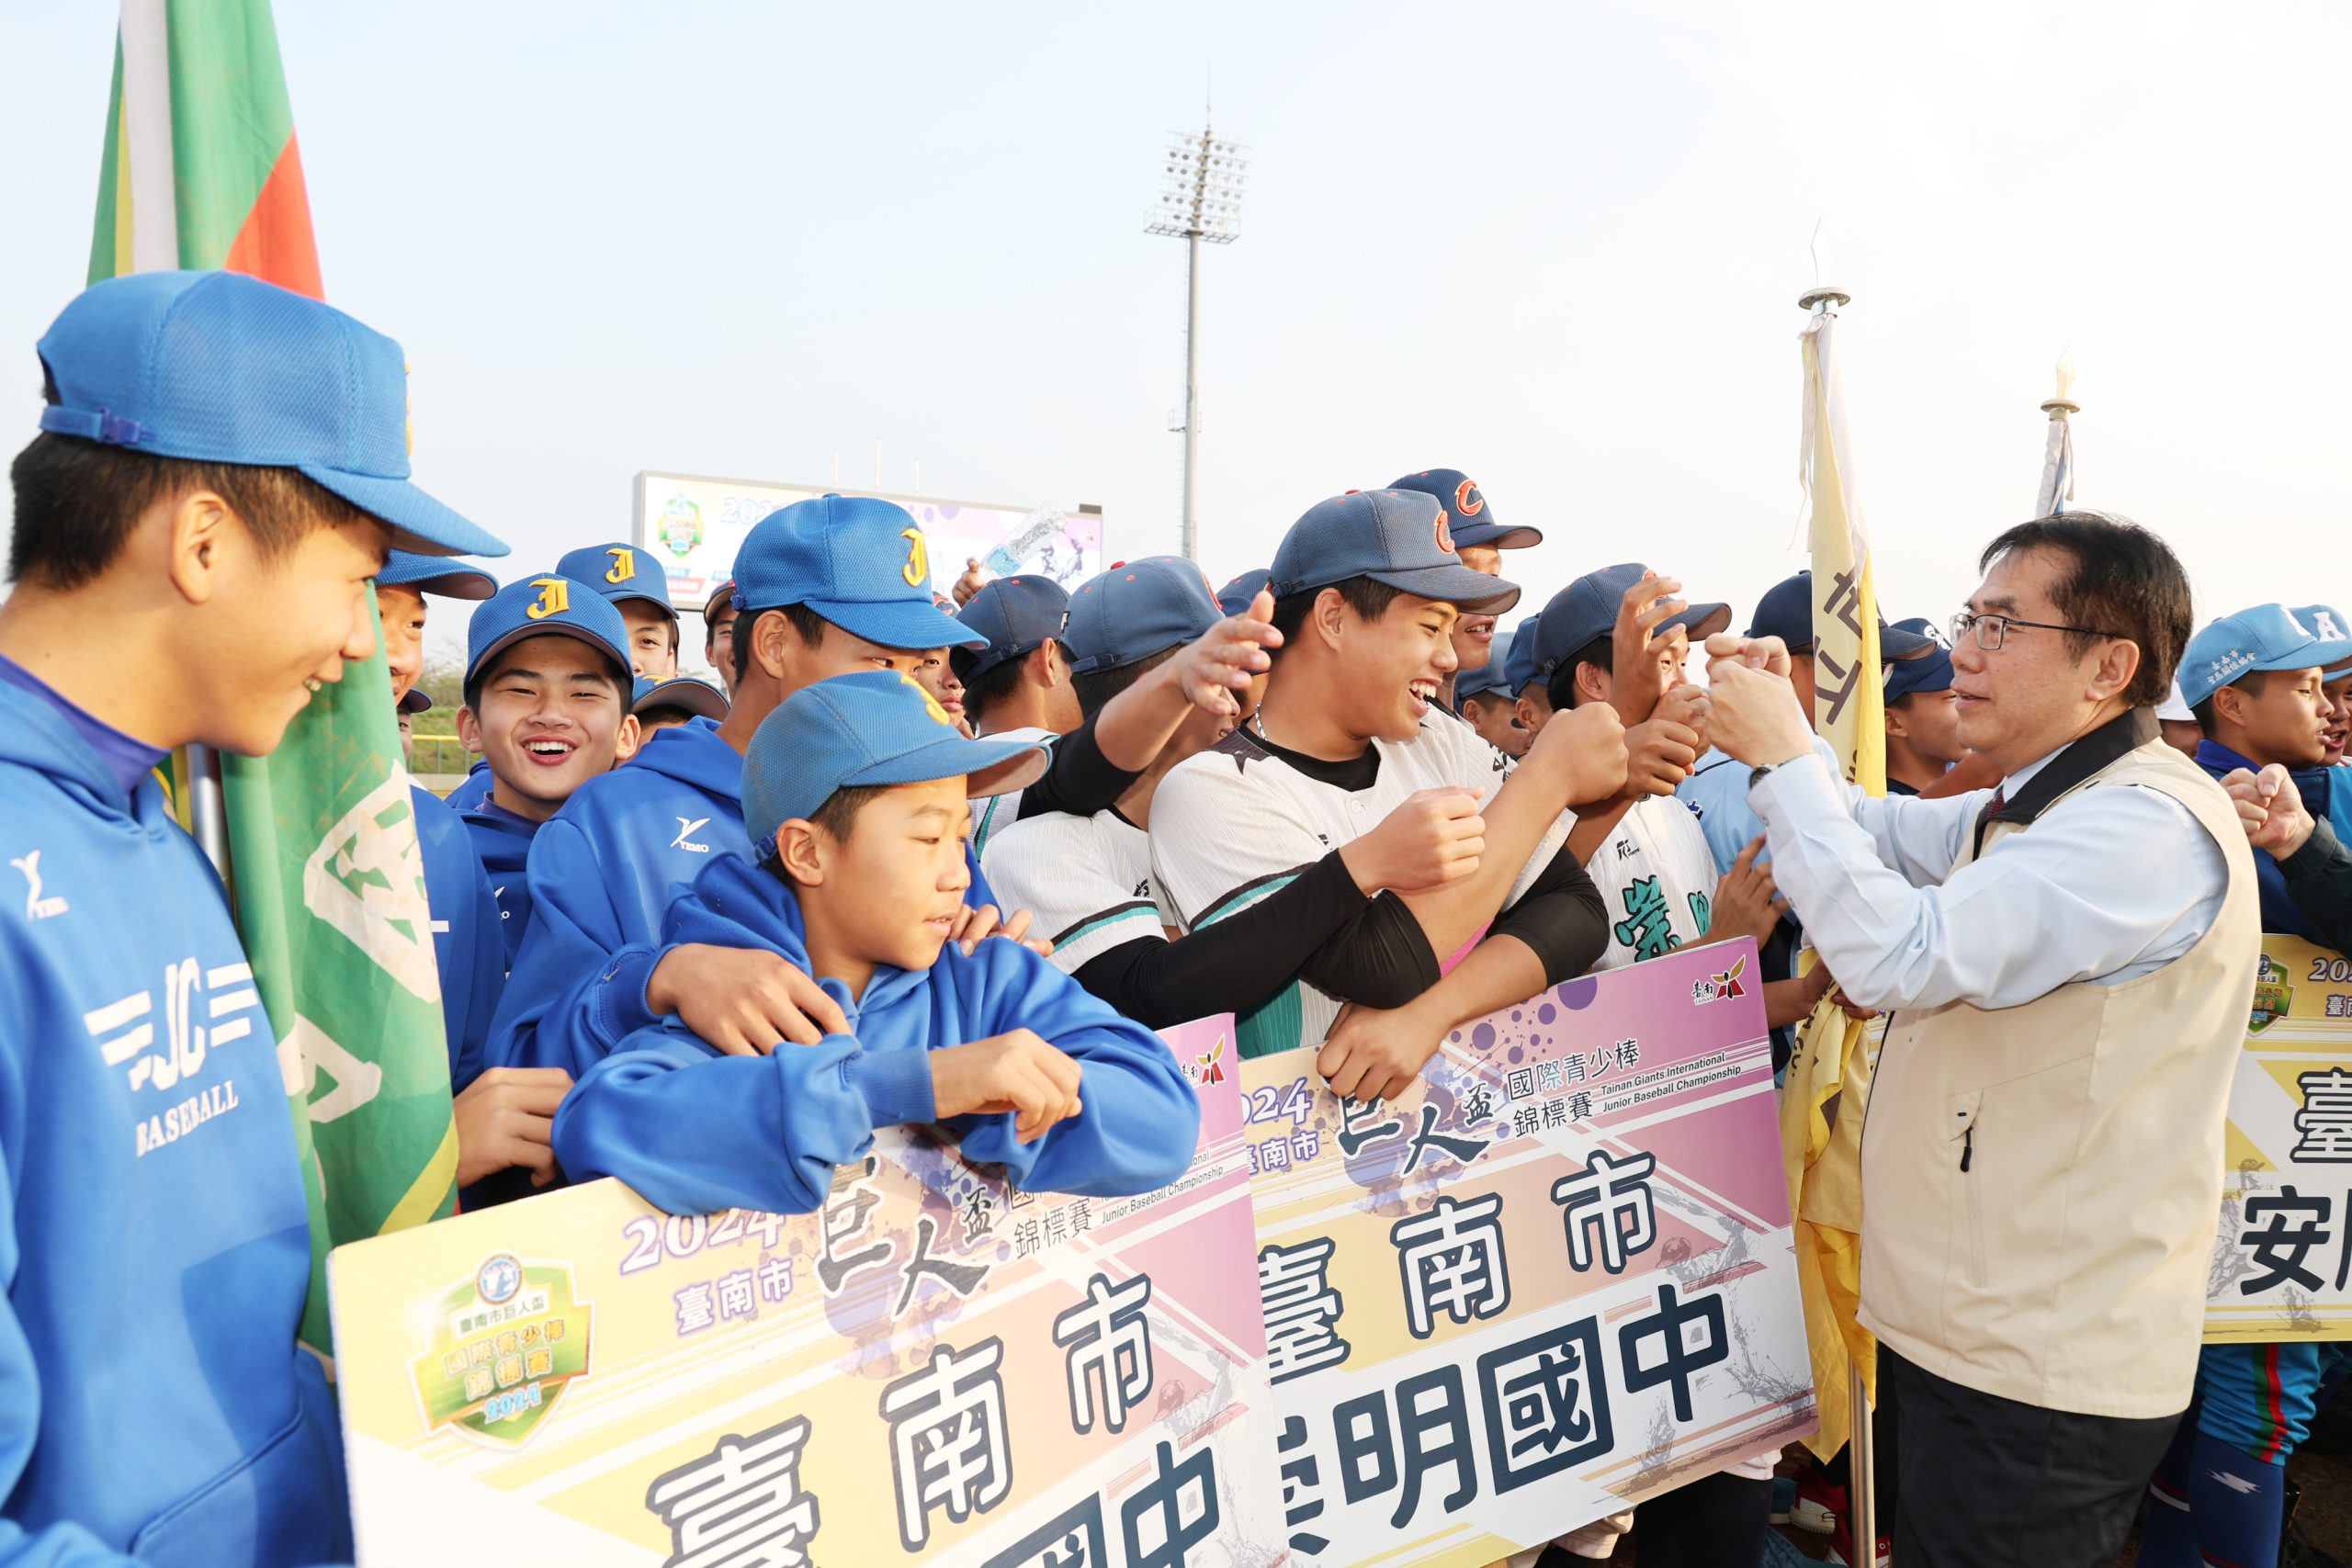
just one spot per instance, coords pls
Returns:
(617, 571)
(861, 563)
(542, 606)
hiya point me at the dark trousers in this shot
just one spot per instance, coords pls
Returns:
(1717, 1521)
(1989, 1482)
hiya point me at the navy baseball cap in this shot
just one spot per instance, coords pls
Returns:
(1236, 597)
(1786, 612)
(1394, 536)
(1493, 676)
(1135, 610)
(2331, 630)
(618, 572)
(861, 564)
(2266, 636)
(696, 697)
(1928, 671)
(873, 727)
(1586, 611)
(722, 595)
(416, 699)
(1468, 519)
(221, 367)
(541, 606)
(1518, 665)
(435, 574)
(1016, 614)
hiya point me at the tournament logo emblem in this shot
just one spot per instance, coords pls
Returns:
(503, 1346)
(1720, 987)
(1207, 1067)
(679, 528)
(2273, 996)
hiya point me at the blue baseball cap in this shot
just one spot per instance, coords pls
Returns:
(1518, 665)
(2266, 636)
(1493, 676)
(1586, 611)
(618, 572)
(1928, 671)
(1468, 519)
(873, 727)
(2331, 630)
(1017, 616)
(435, 574)
(861, 564)
(1394, 536)
(1236, 597)
(416, 699)
(1135, 610)
(696, 697)
(221, 367)
(543, 606)
(1786, 612)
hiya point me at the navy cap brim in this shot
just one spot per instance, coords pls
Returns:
(1701, 622)
(694, 696)
(416, 699)
(898, 622)
(970, 666)
(1496, 535)
(547, 628)
(456, 583)
(418, 522)
(987, 767)
(1893, 642)
(1472, 592)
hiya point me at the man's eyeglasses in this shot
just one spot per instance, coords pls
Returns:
(1990, 631)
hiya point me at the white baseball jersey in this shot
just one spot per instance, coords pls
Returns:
(1086, 882)
(1658, 878)
(992, 813)
(1235, 823)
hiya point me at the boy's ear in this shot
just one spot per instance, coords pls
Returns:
(1045, 666)
(1593, 682)
(631, 736)
(1899, 726)
(199, 527)
(772, 640)
(1329, 615)
(470, 730)
(801, 847)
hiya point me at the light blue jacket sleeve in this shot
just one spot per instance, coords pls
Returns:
(694, 1132)
(578, 985)
(1138, 1119)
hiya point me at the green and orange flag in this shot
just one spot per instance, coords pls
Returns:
(201, 171)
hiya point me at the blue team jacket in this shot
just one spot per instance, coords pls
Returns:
(696, 1131)
(602, 871)
(2278, 911)
(501, 841)
(155, 1245)
(465, 944)
(471, 790)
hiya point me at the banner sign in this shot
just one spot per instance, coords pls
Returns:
(1553, 1279)
(694, 526)
(2282, 1255)
(931, 1369)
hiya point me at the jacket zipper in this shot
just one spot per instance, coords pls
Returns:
(1975, 1208)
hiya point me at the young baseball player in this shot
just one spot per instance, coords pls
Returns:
(1366, 593)
(546, 703)
(933, 674)
(639, 590)
(1019, 684)
(1089, 878)
(1486, 703)
(855, 789)
(1922, 715)
(222, 467)
(2332, 627)
(718, 635)
(1480, 541)
(664, 705)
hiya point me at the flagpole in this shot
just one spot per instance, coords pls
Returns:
(2058, 451)
(207, 820)
(1863, 1459)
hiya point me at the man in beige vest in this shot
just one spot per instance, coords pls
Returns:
(2069, 960)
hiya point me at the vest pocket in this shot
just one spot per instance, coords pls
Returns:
(1961, 1111)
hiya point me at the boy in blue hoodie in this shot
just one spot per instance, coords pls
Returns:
(223, 467)
(548, 699)
(857, 788)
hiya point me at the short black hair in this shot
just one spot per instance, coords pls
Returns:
(78, 500)
(1493, 696)
(624, 682)
(837, 817)
(1366, 598)
(997, 682)
(1600, 651)
(1095, 689)
(2252, 683)
(2125, 584)
(806, 621)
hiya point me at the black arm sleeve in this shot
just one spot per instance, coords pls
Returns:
(1079, 780)
(1234, 964)
(1561, 917)
(2319, 880)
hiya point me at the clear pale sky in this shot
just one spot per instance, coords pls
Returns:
(1559, 246)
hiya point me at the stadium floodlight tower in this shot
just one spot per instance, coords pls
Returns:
(1200, 199)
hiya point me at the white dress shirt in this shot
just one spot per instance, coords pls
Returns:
(2110, 883)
